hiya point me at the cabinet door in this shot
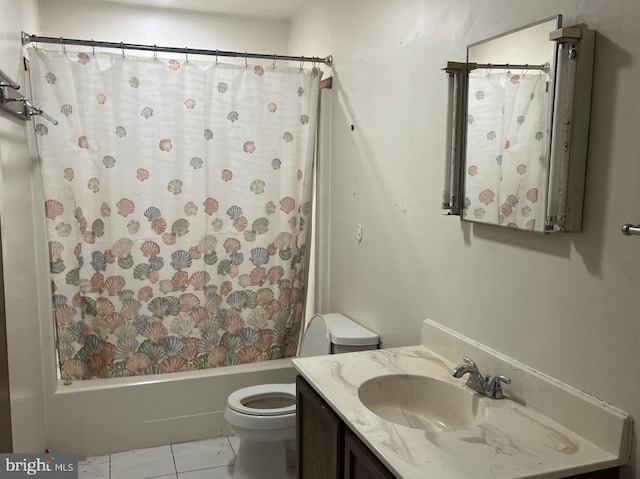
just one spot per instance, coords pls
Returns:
(320, 435)
(360, 462)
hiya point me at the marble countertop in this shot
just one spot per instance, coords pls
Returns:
(512, 440)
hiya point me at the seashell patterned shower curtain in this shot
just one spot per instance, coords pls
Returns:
(177, 203)
(507, 149)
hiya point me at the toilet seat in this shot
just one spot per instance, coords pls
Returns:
(240, 401)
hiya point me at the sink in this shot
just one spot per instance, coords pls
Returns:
(421, 402)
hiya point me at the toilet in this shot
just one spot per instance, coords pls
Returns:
(264, 416)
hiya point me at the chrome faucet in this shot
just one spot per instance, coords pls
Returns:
(485, 385)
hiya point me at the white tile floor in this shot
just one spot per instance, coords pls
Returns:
(207, 459)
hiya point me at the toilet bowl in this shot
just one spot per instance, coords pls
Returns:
(264, 417)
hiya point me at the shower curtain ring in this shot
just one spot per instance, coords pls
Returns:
(155, 52)
(302, 64)
(64, 48)
(122, 48)
(186, 54)
(216, 57)
(93, 47)
(246, 60)
(275, 56)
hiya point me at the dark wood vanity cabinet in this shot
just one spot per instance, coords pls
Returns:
(328, 449)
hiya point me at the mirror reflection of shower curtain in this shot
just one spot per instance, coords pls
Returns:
(507, 150)
(177, 203)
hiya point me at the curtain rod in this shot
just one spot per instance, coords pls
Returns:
(505, 66)
(27, 38)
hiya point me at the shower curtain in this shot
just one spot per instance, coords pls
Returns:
(177, 203)
(507, 149)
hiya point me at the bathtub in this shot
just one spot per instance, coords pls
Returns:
(101, 416)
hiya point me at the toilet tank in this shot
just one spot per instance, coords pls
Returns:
(334, 333)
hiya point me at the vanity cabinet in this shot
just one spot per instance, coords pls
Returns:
(328, 449)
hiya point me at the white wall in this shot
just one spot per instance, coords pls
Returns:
(569, 304)
(16, 211)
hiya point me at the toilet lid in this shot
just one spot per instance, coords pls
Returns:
(264, 400)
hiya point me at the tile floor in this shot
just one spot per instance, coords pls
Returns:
(207, 459)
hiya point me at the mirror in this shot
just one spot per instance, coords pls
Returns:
(507, 136)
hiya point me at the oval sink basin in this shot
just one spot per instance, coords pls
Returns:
(421, 402)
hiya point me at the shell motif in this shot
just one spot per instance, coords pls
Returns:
(217, 224)
(155, 332)
(521, 169)
(275, 274)
(66, 110)
(258, 70)
(101, 98)
(479, 213)
(69, 174)
(146, 112)
(133, 227)
(530, 225)
(526, 211)
(207, 245)
(520, 119)
(210, 206)
(125, 331)
(190, 351)
(190, 103)
(472, 170)
(175, 186)
(233, 116)
(182, 326)
(265, 295)
(180, 281)
(506, 209)
(159, 225)
(65, 314)
(83, 58)
(165, 145)
(63, 229)
(196, 162)
(98, 261)
(141, 271)
(165, 286)
(137, 363)
(180, 227)
(122, 247)
(190, 209)
(227, 175)
(306, 208)
(260, 225)
(217, 356)
(195, 254)
(249, 147)
(272, 107)
(155, 352)
(258, 276)
(287, 204)
(257, 186)
(240, 223)
(171, 364)
(532, 195)
(53, 209)
(174, 65)
(304, 119)
(126, 295)
(271, 248)
(512, 200)
(125, 207)
(287, 137)
(208, 134)
(270, 208)
(82, 142)
(507, 144)
(152, 213)
(130, 308)
(180, 260)
(276, 163)
(491, 135)
(82, 223)
(300, 91)
(265, 339)
(41, 129)
(515, 79)
(134, 82)
(164, 306)
(222, 87)
(199, 280)
(249, 235)
(234, 212)
(156, 263)
(109, 161)
(486, 197)
(225, 288)
(198, 314)
(97, 227)
(499, 159)
(233, 323)
(105, 210)
(259, 256)
(231, 245)
(89, 237)
(114, 284)
(188, 301)
(154, 276)
(142, 174)
(51, 78)
(97, 283)
(248, 355)
(74, 369)
(299, 174)
(169, 239)
(94, 185)
(121, 131)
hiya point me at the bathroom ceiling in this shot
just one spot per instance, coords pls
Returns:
(273, 9)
